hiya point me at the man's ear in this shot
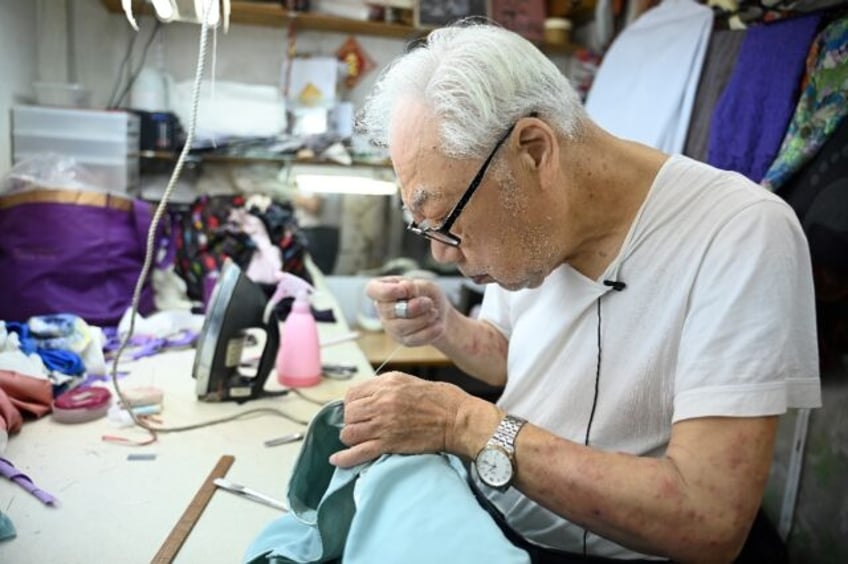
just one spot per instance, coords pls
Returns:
(538, 148)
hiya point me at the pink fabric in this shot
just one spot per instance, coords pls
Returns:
(22, 395)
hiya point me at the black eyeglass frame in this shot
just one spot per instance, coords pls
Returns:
(442, 233)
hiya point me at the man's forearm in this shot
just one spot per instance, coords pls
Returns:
(695, 504)
(476, 347)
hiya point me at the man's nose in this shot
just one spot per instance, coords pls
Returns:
(444, 253)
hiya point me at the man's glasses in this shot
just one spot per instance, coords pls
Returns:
(442, 233)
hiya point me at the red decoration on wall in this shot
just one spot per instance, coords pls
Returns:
(357, 61)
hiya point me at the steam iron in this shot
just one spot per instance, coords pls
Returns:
(236, 307)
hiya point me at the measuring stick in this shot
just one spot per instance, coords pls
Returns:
(169, 549)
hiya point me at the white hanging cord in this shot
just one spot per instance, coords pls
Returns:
(148, 260)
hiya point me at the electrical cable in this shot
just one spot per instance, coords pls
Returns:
(140, 66)
(148, 260)
(122, 69)
(594, 400)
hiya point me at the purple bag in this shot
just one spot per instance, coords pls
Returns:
(71, 251)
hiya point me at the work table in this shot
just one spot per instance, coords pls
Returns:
(114, 509)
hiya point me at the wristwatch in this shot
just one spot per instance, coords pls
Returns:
(495, 463)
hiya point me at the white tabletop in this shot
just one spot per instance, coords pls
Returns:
(112, 509)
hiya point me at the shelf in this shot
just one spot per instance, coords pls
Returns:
(272, 14)
(215, 158)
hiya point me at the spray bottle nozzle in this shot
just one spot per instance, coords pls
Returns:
(288, 285)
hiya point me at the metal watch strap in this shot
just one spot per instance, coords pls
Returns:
(506, 432)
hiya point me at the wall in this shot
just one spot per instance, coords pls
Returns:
(17, 65)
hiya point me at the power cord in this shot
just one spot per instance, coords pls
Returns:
(139, 68)
(148, 260)
(122, 69)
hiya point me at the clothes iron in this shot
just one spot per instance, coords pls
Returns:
(237, 305)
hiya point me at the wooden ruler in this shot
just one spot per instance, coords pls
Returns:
(169, 549)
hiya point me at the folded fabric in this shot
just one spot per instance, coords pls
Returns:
(58, 360)
(8, 470)
(412, 509)
(822, 107)
(751, 116)
(7, 529)
(22, 395)
(646, 84)
(721, 57)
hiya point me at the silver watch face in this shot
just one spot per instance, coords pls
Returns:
(494, 466)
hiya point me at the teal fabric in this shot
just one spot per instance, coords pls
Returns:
(412, 509)
(7, 529)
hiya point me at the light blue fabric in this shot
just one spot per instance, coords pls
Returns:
(645, 87)
(7, 529)
(411, 509)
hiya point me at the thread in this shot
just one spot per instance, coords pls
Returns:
(81, 404)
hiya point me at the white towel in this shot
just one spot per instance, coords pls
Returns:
(646, 85)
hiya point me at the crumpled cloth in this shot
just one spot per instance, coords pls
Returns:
(7, 529)
(22, 395)
(415, 509)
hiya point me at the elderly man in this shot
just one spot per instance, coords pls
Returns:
(648, 316)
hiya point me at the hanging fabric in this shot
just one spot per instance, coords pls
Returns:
(646, 85)
(822, 107)
(721, 57)
(752, 113)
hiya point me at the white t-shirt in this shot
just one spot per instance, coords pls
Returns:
(717, 319)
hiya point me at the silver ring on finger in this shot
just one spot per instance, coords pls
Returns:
(401, 309)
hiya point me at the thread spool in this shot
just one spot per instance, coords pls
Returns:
(82, 404)
(142, 396)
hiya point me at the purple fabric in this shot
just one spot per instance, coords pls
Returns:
(72, 258)
(753, 112)
(8, 470)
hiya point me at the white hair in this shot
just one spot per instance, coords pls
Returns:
(477, 79)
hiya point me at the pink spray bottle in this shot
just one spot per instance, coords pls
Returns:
(299, 356)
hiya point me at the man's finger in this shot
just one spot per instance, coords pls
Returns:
(359, 454)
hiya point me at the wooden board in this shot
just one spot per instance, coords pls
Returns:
(169, 549)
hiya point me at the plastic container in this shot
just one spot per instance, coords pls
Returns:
(26, 142)
(106, 143)
(557, 31)
(62, 94)
(299, 356)
(82, 124)
(149, 91)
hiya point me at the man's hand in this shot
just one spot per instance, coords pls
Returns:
(427, 307)
(399, 413)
